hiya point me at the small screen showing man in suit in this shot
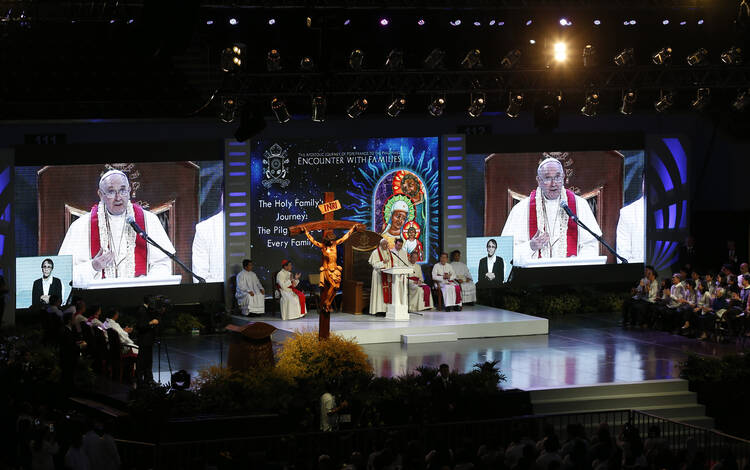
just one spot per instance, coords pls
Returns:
(35, 291)
(489, 260)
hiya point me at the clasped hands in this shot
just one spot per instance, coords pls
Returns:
(253, 293)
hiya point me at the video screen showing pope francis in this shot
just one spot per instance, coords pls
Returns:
(533, 198)
(96, 215)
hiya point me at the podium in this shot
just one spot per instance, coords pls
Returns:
(396, 310)
(143, 281)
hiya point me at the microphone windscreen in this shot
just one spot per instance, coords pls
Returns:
(129, 219)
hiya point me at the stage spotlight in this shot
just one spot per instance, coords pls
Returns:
(355, 60)
(590, 104)
(472, 60)
(319, 105)
(358, 107)
(231, 58)
(698, 57)
(384, 22)
(306, 64)
(511, 59)
(742, 100)
(436, 108)
(476, 105)
(624, 58)
(628, 102)
(515, 104)
(397, 105)
(180, 380)
(732, 56)
(434, 60)
(279, 110)
(589, 56)
(665, 101)
(702, 99)
(560, 52)
(228, 111)
(273, 60)
(395, 60)
(663, 56)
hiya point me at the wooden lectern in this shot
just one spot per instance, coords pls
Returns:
(250, 346)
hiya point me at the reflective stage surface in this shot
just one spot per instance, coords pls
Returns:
(579, 350)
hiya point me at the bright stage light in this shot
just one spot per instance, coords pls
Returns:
(662, 56)
(397, 105)
(358, 107)
(532, 41)
(515, 104)
(233, 21)
(231, 58)
(590, 104)
(597, 22)
(273, 60)
(665, 22)
(306, 64)
(421, 22)
(384, 21)
(229, 108)
(560, 52)
(272, 21)
(436, 107)
(476, 105)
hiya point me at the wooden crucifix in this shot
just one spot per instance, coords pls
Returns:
(330, 271)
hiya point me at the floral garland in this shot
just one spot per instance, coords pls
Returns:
(126, 266)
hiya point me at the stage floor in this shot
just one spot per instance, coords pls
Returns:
(476, 321)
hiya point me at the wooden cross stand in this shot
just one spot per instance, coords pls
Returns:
(330, 277)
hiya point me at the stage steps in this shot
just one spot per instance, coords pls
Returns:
(669, 399)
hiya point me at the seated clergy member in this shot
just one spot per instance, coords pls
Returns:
(420, 296)
(463, 276)
(445, 279)
(292, 299)
(542, 229)
(250, 293)
(208, 248)
(102, 243)
(380, 291)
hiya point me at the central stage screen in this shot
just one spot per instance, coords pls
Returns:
(373, 179)
(64, 213)
(511, 195)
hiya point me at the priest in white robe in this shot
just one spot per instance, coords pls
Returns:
(445, 278)
(631, 239)
(420, 295)
(292, 299)
(250, 294)
(540, 227)
(208, 249)
(463, 277)
(104, 245)
(380, 288)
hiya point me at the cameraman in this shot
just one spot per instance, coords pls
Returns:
(147, 323)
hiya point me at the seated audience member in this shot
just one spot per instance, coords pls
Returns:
(128, 346)
(637, 309)
(689, 302)
(94, 312)
(79, 316)
(672, 300)
(55, 302)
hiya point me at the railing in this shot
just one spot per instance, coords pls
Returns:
(302, 449)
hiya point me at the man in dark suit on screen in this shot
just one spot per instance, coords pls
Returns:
(491, 275)
(45, 286)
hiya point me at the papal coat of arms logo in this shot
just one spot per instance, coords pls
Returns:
(275, 163)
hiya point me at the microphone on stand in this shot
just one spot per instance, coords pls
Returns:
(397, 256)
(567, 210)
(131, 221)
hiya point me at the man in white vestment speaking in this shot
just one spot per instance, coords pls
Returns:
(250, 294)
(630, 231)
(445, 279)
(540, 227)
(381, 288)
(420, 295)
(102, 243)
(463, 277)
(208, 248)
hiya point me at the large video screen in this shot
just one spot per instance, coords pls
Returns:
(85, 213)
(521, 195)
(390, 185)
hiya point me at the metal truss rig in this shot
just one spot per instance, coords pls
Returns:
(531, 80)
(453, 5)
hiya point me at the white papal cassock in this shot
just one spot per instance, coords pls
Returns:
(208, 249)
(379, 260)
(517, 226)
(291, 305)
(247, 281)
(447, 287)
(77, 243)
(416, 290)
(468, 289)
(630, 235)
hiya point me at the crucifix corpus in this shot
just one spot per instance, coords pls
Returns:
(330, 271)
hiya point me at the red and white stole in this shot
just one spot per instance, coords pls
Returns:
(385, 279)
(571, 238)
(140, 250)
